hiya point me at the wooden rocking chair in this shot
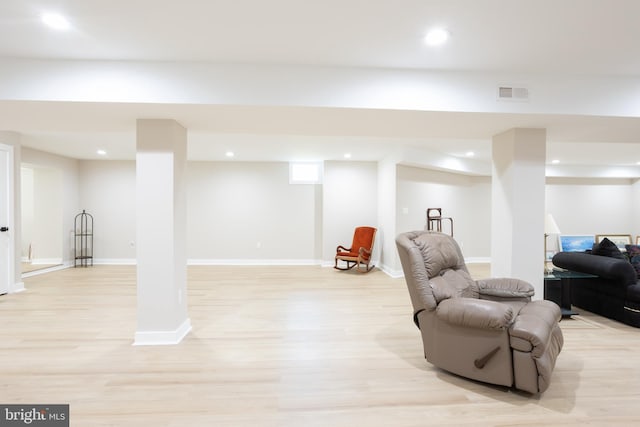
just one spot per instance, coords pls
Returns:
(359, 254)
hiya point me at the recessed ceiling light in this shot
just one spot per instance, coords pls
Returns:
(229, 154)
(555, 161)
(101, 152)
(347, 155)
(436, 37)
(56, 21)
(470, 154)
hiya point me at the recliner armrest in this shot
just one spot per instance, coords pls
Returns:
(475, 313)
(505, 288)
(534, 326)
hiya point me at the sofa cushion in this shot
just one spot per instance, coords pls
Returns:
(633, 252)
(607, 248)
(633, 294)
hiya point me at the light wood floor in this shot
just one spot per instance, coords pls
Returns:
(283, 346)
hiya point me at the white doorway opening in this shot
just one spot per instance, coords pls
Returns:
(7, 246)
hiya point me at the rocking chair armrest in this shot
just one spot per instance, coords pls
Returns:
(343, 248)
(364, 250)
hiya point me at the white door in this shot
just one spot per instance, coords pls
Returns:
(6, 258)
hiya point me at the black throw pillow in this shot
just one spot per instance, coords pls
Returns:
(607, 248)
(633, 252)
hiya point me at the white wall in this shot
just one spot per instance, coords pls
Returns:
(349, 197)
(108, 192)
(466, 199)
(234, 205)
(68, 192)
(591, 206)
(249, 211)
(47, 240)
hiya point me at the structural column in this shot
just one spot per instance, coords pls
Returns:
(635, 207)
(161, 232)
(387, 202)
(518, 206)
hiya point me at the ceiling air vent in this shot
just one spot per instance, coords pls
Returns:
(511, 93)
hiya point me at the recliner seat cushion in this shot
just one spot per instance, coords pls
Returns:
(453, 284)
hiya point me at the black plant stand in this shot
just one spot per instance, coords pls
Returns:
(83, 239)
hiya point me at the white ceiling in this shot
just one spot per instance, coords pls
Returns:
(569, 37)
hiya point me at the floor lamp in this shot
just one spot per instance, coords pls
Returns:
(550, 227)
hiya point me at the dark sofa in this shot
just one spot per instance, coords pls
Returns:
(615, 293)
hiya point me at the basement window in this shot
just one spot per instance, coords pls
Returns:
(305, 173)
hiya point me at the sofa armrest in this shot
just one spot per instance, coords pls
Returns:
(606, 267)
(475, 313)
(505, 288)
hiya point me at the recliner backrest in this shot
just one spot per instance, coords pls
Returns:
(437, 268)
(445, 266)
(439, 252)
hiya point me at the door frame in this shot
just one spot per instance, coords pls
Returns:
(10, 204)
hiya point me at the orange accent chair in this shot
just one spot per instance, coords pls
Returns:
(359, 254)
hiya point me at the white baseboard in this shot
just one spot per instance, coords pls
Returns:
(240, 262)
(114, 261)
(46, 270)
(332, 263)
(40, 261)
(394, 274)
(133, 261)
(17, 287)
(478, 260)
(163, 337)
(253, 262)
(391, 273)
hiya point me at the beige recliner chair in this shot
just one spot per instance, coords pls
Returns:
(487, 330)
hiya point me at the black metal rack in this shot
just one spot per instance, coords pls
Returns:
(83, 239)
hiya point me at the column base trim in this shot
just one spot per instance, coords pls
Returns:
(17, 288)
(163, 337)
